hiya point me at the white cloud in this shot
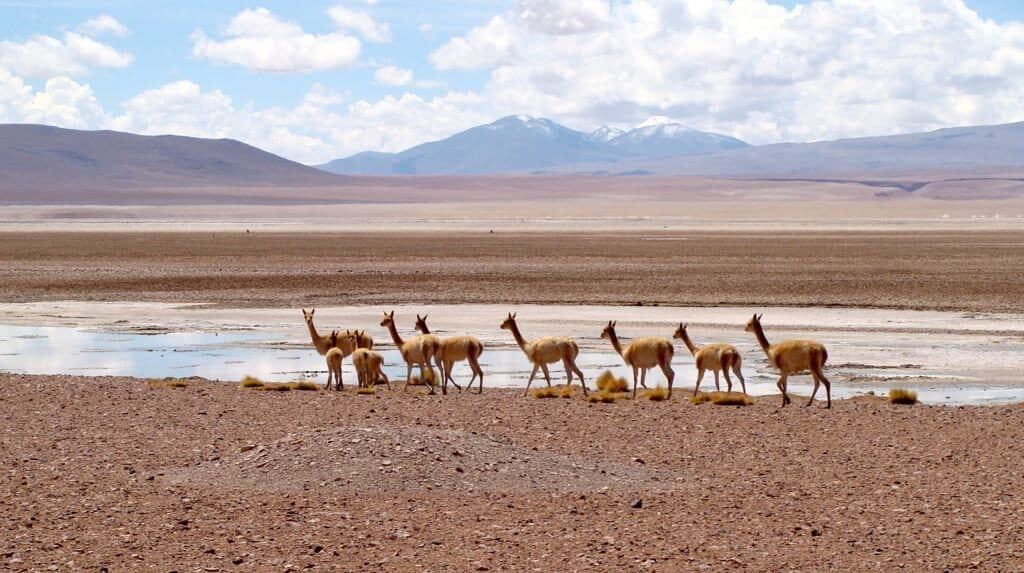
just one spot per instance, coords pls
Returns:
(72, 55)
(361, 23)
(103, 24)
(749, 68)
(319, 128)
(62, 101)
(393, 76)
(564, 16)
(258, 40)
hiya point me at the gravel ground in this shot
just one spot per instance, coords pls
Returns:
(115, 473)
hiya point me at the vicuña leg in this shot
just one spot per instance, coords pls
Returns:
(547, 374)
(477, 372)
(738, 370)
(782, 388)
(533, 373)
(819, 375)
(670, 375)
(700, 376)
(728, 381)
(718, 388)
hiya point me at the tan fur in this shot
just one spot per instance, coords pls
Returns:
(456, 349)
(716, 357)
(323, 343)
(369, 366)
(793, 357)
(643, 354)
(418, 350)
(334, 357)
(544, 351)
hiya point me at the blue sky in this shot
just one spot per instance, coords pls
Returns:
(300, 80)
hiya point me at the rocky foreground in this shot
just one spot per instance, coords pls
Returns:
(121, 474)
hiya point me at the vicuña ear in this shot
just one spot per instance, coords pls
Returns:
(514, 315)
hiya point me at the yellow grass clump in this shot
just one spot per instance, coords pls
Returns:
(305, 385)
(251, 382)
(566, 392)
(167, 383)
(269, 387)
(700, 398)
(545, 392)
(656, 394)
(902, 396)
(605, 397)
(607, 382)
(431, 379)
(731, 399)
(366, 390)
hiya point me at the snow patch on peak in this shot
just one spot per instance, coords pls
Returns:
(657, 120)
(605, 133)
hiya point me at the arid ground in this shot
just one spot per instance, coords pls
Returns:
(954, 270)
(116, 474)
(112, 473)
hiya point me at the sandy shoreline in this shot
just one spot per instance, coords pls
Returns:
(106, 472)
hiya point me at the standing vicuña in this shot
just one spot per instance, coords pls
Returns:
(793, 357)
(369, 365)
(455, 349)
(419, 350)
(334, 356)
(323, 343)
(714, 357)
(544, 351)
(643, 354)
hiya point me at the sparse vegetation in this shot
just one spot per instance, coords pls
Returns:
(607, 382)
(731, 399)
(305, 385)
(269, 387)
(605, 397)
(902, 396)
(431, 378)
(656, 394)
(366, 390)
(700, 398)
(251, 382)
(545, 392)
(566, 392)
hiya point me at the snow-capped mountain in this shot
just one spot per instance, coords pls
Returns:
(604, 134)
(523, 143)
(661, 137)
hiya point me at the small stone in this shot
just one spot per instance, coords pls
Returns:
(815, 532)
(637, 504)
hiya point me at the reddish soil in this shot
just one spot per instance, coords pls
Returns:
(112, 473)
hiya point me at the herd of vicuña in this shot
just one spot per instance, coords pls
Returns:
(426, 350)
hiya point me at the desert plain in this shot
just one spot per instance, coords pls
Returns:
(127, 474)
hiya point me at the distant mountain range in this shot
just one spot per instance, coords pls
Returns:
(38, 159)
(520, 143)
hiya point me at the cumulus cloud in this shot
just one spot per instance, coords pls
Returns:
(319, 128)
(393, 76)
(103, 24)
(753, 69)
(62, 101)
(71, 55)
(360, 23)
(258, 40)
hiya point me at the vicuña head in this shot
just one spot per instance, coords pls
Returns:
(421, 324)
(388, 320)
(308, 315)
(609, 331)
(509, 321)
(680, 332)
(754, 323)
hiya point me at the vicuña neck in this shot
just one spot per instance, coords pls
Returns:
(318, 342)
(689, 343)
(394, 334)
(615, 341)
(518, 336)
(424, 328)
(762, 339)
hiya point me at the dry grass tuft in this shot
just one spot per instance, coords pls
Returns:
(167, 383)
(269, 387)
(366, 390)
(730, 399)
(902, 396)
(430, 381)
(566, 392)
(545, 392)
(251, 382)
(305, 385)
(605, 397)
(607, 382)
(700, 398)
(656, 394)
